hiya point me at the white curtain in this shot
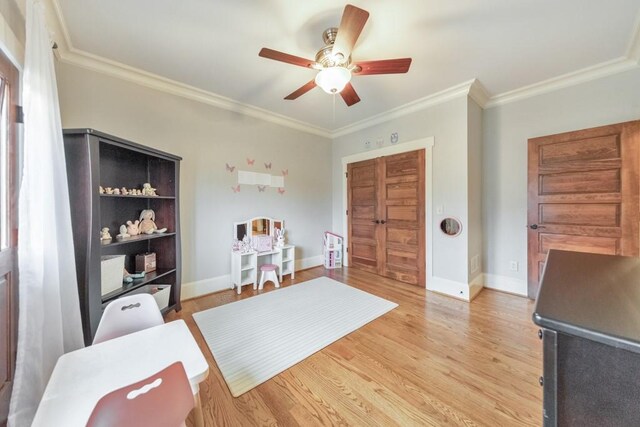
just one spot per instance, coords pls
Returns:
(49, 317)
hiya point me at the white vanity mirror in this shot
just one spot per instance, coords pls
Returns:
(261, 226)
(258, 226)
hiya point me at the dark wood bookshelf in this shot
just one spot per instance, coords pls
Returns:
(128, 196)
(134, 239)
(97, 159)
(137, 283)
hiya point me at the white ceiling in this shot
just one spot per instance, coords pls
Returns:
(213, 45)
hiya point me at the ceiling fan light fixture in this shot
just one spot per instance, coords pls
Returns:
(333, 79)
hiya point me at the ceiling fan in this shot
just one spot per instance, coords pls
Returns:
(334, 59)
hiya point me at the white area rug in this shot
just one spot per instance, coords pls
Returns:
(255, 339)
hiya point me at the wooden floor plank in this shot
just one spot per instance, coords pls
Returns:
(433, 360)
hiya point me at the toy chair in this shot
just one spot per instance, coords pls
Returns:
(126, 315)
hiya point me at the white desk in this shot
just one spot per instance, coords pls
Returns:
(80, 378)
(244, 266)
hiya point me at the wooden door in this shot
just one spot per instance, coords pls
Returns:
(583, 194)
(8, 230)
(386, 216)
(401, 196)
(362, 212)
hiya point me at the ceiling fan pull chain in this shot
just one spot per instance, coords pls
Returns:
(334, 107)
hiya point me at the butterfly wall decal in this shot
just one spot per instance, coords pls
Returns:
(285, 172)
(268, 165)
(230, 168)
(236, 189)
(261, 188)
(281, 190)
(250, 162)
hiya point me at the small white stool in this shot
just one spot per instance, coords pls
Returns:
(268, 273)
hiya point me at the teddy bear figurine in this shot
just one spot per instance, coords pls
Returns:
(104, 234)
(132, 228)
(147, 190)
(148, 224)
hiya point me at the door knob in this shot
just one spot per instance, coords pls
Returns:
(376, 221)
(533, 226)
(383, 222)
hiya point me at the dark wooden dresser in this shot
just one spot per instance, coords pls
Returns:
(588, 308)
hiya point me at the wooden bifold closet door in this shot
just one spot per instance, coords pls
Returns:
(386, 216)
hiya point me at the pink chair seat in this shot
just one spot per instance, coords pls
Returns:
(268, 267)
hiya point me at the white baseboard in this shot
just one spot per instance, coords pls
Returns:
(505, 284)
(448, 287)
(220, 283)
(475, 286)
(206, 286)
(459, 290)
(314, 261)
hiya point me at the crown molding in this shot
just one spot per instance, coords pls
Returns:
(403, 110)
(153, 81)
(594, 72)
(479, 93)
(633, 49)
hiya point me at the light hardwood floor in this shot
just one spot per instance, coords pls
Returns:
(433, 360)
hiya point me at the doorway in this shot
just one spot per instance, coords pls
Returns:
(386, 216)
(583, 194)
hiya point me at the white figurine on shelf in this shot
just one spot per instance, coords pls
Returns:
(116, 191)
(123, 233)
(132, 228)
(124, 191)
(104, 234)
(101, 190)
(108, 190)
(279, 237)
(147, 190)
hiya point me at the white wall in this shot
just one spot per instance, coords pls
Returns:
(447, 123)
(506, 130)
(207, 138)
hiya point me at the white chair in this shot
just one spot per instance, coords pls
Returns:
(268, 273)
(126, 315)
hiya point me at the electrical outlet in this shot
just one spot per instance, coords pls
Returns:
(367, 144)
(513, 265)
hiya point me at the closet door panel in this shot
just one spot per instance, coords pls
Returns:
(362, 213)
(403, 201)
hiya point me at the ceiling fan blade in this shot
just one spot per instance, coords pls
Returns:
(349, 95)
(384, 66)
(285, 57)
(302, 90)
(351, 25)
